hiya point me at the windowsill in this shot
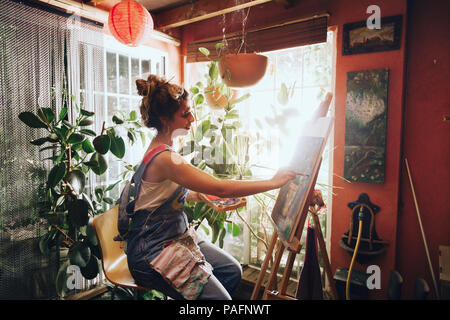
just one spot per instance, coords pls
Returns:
(250, 275)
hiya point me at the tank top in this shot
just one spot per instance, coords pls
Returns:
(154, 194)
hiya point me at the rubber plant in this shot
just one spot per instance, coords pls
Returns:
(66, 202)
(216, 135)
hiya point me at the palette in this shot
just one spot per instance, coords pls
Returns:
(223, 204)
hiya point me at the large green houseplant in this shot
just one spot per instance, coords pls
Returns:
(217, 145)
(66, 200)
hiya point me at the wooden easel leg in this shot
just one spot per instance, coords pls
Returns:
(264, 266)
(274, 270)
(287, 272)
(326, 260)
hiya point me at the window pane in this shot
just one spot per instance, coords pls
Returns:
(111, 109)
(111, 72)
(135, 74)
(145, 67)
(124, 79)
(158, 69)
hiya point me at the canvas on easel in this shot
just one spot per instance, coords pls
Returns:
(292, 197)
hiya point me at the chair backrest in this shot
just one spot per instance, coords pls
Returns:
(105, 227)
(421, 289)
(395, 286)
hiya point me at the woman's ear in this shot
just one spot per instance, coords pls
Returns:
(142, 87)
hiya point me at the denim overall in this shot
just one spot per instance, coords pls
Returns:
(152, 231)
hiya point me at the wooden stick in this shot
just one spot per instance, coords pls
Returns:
(326, 260)
(264, 266)
(421, 230)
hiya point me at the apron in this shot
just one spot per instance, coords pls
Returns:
(161, 238)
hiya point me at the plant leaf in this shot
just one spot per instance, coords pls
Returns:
(102, 143)
(75, 138)
(133, 115)
(97, 163)
(85, 122)
(117, 120)
(46, 114)
(92, 268)
(56, 174)
(31, 120)
(77, 180)
(79, 254)
(117, 145)
(86, 113)
(61, 279)
(78, 212)
(39, 141)
(62, 113)
(87, 146)
(204, 51)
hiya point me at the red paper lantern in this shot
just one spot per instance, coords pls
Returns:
(130, 23)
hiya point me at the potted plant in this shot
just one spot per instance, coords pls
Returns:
(218, 95)
(66, 202)
(242, 69)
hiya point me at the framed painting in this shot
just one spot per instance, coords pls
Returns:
(292, 197)
(365, 125)
(357, 38)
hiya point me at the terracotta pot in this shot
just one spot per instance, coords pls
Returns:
(243, 69)
(217, 101)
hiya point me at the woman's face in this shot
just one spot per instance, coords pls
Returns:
(181, 121)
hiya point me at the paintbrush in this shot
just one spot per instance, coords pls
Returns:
(264, 167)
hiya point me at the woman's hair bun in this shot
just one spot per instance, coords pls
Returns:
(160, 99)
(142, 87)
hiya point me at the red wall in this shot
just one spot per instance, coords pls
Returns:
(425, 142)
(385, 195)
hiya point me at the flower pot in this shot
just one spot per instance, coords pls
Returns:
(216, 100)
(243, 69)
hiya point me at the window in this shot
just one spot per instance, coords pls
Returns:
(307, 73)
(107, 86)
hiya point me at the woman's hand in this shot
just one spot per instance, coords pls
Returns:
(193, 196)
(282, 177)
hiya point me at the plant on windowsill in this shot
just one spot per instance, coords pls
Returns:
(65, 200)
(217, 145)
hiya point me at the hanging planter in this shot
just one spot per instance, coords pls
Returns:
(242, 69)
(130, 23)
(217, 99)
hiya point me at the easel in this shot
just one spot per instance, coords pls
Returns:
(294, 248)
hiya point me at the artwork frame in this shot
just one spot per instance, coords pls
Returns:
(357, 38)
(366, 125)
(292, 197)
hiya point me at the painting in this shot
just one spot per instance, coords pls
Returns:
(365, 125)
(357, 38)
(292, 197)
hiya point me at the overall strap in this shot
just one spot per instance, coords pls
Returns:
(126, 207)
(137, 177)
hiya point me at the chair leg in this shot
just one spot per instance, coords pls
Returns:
(113, 292)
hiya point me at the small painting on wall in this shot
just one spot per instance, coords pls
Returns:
(358, 38)
(365, 125)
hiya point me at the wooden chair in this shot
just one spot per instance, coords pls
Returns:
(395, 286)
(114, 259)
(421, 289)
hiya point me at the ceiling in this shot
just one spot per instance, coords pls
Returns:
(169, 14)
(156, 6)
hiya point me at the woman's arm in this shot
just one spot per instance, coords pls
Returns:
(172, 166)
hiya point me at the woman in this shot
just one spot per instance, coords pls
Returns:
(163, 252)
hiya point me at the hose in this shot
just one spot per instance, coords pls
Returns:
(355, 252)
